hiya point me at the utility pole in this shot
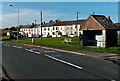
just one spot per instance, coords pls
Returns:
(77, 29)
(41, 23)
(18, 22)
(77, 24)
(18, 25)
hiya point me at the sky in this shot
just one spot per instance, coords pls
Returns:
(30, 11)
(60, 0)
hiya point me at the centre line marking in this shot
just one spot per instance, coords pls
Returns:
(6, 45)
(62, 61)
(32, 51)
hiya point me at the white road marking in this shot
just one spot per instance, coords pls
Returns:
(14, 46)
(57, 49)
(68, 63)
(112, 80)
(6, 45)
(18, 47)
(62, 61)
(28, 50)
(63, 50)
(37, 52)
(32, 51)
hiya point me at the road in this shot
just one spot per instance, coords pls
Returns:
(30, 63)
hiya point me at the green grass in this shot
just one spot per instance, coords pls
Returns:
(53, 42)
(4, 37)
(57, 43)
(118, 40)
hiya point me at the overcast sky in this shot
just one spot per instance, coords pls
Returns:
(30, 11)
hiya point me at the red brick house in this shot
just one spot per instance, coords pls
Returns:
(99, 31)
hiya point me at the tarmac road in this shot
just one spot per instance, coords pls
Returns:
(24, 63)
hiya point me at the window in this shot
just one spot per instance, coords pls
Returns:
(53, 33)
(59, 33)
(61, 28)
(48, 29)
(45, 29)
(75, 32)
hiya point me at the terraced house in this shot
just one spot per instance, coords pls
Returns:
(54, 29)
(96, 30)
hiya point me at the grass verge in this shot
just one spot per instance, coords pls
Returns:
(57, 43)
(4, 37)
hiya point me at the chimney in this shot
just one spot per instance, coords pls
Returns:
(109, 17)
(33, 24)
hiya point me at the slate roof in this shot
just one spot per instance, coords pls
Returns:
(105, 22)
(60, 23)
(64, 23)
(27, 26)
(48, 24)
(74, 22)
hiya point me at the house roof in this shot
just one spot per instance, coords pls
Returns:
(104, 21)
(64, 23)
(48, 24)
(75, 22)
(98, 22)
(60, 23)
(27, 26)
(37, 25)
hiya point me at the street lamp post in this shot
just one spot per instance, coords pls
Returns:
(41, 24)
(18, 22)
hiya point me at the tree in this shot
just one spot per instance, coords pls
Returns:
(13, 28)
(6, 29)
(50, 21)
(57, 20)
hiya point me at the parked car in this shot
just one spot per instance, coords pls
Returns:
(37, 36)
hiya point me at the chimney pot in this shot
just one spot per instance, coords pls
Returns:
(109, 17)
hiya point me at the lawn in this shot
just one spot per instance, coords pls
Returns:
(57, 43)
(4, 37)
(118, 40)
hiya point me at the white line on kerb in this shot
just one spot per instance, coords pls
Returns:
(64, 62)
(68, 63)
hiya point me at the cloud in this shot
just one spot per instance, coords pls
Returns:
(28, 17)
